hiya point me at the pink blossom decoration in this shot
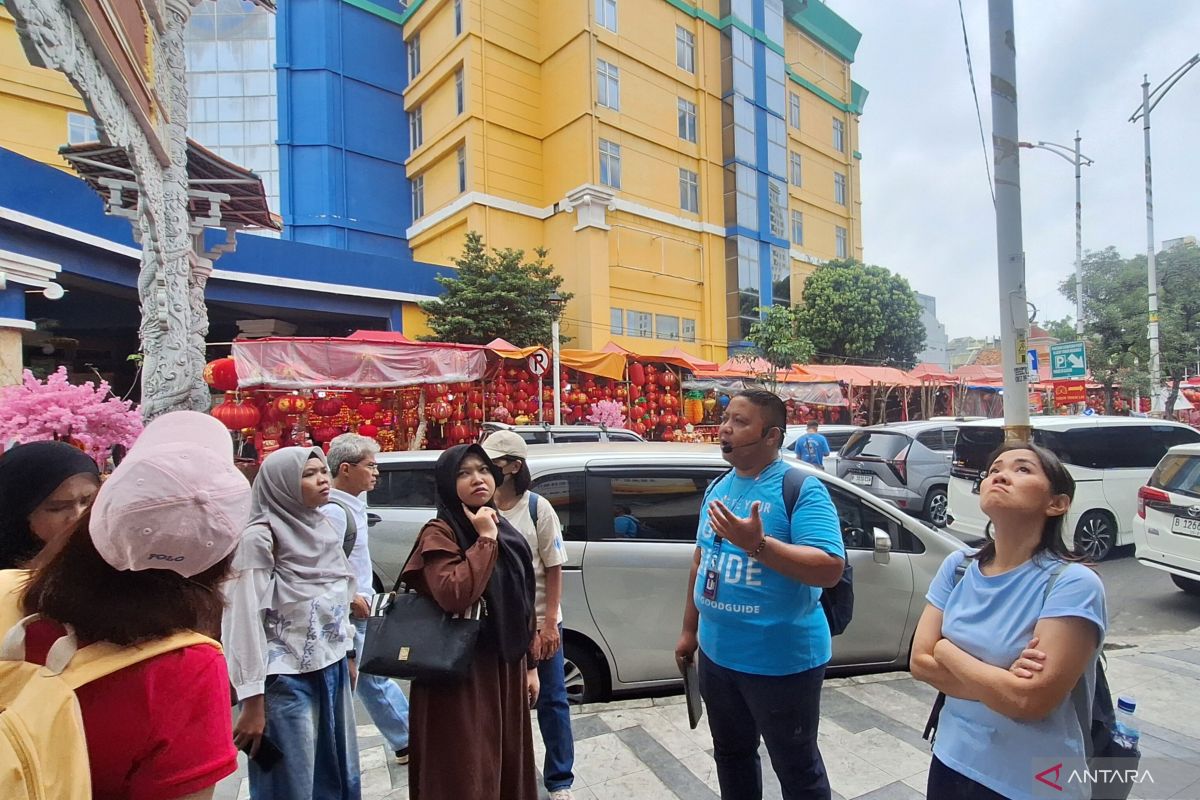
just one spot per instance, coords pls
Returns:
(89, 416)
(607, 413)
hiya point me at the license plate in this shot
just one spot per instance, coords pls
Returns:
(861, 479)
(1186, 526)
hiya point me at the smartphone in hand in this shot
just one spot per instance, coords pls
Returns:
(268, 754)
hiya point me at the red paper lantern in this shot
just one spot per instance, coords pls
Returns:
(667, 379)
(368, 430)
(326, 406)
(368, 409)
(352, 401)
(440, 412)
(458, 432)
(221, 374)
(670, 420)
(236, 416)
(325, 433)
(292, 405)
(637, 374)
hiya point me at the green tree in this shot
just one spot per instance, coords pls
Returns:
(856, 311)
(1179, 314)
(496, 294)
(776, 337)
(1061, 329)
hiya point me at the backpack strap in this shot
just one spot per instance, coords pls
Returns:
(533, 508)
(793, 482)
(351, 534)
(935, 714)
(1081, 701)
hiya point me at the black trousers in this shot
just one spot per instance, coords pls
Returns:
(948, 784)
(784, 711)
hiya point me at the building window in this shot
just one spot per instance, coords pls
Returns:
(606, 14)
(744, 146)
(794, 110)
(781, 277)
(666, 327)
(746, 186)
(776, 146)
(637, 323)
(610, 164)
(687, 330)
(685, 49)
(774, 67)
(418, 197)
(687, 120)
(81, 128)
(457, 17)
(797, 175)
(777, 207)
(839, 136)
(797, 227)
(840, 241)
(608, 85)
(460, 92)
(462, 169)
(616, 321)
(839, 188)
(689, 191)
(414, 56)
(416, 130)
(741, 49)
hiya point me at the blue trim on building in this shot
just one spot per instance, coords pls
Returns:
(12, 301)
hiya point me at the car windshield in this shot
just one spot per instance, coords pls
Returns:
(875, 444)
(1179, 474)
(972, 448)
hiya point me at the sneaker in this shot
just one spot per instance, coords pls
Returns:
(402, 755)
(562, 794)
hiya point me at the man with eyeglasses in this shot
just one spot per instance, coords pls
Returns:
(352, 464)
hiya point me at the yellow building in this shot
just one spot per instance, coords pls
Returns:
(40, 109)
(684, 162)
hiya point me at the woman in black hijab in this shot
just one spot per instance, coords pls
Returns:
(45, 487)
(474, 738)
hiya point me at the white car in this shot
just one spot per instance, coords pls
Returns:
(1109, 458)
(1166, 528)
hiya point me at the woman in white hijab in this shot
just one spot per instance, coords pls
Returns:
(287, 637)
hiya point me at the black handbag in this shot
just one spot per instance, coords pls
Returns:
(410, 636)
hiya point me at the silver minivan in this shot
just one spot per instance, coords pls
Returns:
(623, 596)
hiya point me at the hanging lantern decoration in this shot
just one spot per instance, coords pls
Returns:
(329, 406)
(325, 433)
(637, 374)
(440, 412)
(667, 379)
(236, 416)
(368, 409)
(352, 400)
(221, 374)
(368, 430)
(292, 405)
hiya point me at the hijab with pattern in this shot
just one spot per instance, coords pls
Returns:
(509, 593)
(297, 543)
(29, 473)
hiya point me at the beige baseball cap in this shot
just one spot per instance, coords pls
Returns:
(505, 444)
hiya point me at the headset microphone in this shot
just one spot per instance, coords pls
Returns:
(729, 448)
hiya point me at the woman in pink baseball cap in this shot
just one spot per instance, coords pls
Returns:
(140, 578)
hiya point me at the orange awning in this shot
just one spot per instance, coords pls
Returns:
(606, 365)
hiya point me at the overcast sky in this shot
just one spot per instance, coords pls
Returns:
(927, 213)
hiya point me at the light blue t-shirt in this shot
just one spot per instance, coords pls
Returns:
(812, 448)
(992, 618)
(762, 622)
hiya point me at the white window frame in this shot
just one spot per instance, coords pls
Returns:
(460, 90)
(795, 169)
(794, 110)
(841, 242)
(606, 13)
(610, 163)
(797, 227)
(687, 329)
(416, 128)
(689, 190)
(619, 327)
(839, 135)
(608, 85)
(685, 49)
(414, 56)
(81, 128)
(639, 324)
(687, 120)
(839, 188)
(669, 318)
(418, 197)
(461, 157)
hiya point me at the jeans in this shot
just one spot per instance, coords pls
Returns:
(554, 719)
(948, 784)
(785, 710)
(383, 698)
(310, 718)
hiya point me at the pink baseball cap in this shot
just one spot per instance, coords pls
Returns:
(176, 502)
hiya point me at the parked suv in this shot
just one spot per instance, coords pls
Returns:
(1166, 528)
(905, 463)
(623, 595)
(1110, 458)
(562, 434)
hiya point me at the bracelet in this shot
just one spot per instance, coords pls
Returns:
(761, 546)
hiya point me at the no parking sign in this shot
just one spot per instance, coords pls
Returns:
(538, 362)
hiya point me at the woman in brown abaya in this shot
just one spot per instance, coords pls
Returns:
(472, 740)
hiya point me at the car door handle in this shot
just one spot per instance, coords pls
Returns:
(373, 519)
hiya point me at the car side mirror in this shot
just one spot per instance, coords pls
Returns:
(883, 546)
(373, 520)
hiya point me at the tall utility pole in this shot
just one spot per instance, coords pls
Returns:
(1077, 159)
(1149, 100)
(1014, 320)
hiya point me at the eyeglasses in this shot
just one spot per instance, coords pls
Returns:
(371, 467)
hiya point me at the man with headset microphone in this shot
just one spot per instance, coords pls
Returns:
(753, 609)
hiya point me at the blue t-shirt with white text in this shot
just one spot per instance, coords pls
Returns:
(762, 622)
(992, 617)
(812, 448)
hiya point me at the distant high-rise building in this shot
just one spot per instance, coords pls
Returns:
(936, 342)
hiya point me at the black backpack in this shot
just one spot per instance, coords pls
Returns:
(1095, 714)
(838, 600)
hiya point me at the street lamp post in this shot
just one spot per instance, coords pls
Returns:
(1149, 100)
(1076, 159)
(556, 305)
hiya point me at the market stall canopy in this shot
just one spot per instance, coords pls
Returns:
(500, 344)
(391, 337)
(817, 393)
(109, 172)
(679, 357)
(758, 368)
(606, 365)
(613, 347)
(311, 363)
(930, 372)
(980, 373)
(854, 375)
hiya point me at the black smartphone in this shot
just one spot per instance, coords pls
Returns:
(268, 754)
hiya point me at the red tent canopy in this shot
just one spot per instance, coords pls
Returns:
(929, 371)
(681, 358)
(392, 337)
(501, 344)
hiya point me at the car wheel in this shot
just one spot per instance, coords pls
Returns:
(585, 678)
(937, 507)
(1189, 585)
(1095, 535)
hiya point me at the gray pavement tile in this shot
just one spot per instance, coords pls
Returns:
(1188, 792)
(856, 717)
(893, 791)
(914, 688)
(1168, 748)
(1171, 664)
(1166, 734)
(665, 766)
(1191, 656)
(587, 727)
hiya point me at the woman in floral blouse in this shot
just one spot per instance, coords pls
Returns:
(287, 637)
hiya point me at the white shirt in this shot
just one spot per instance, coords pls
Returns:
(545, 541)
(360, 555)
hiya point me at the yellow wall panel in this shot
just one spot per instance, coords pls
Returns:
(414, 320)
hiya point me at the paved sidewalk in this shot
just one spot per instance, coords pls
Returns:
(870, 736)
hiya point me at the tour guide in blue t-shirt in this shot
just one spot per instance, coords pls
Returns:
(754, 610)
